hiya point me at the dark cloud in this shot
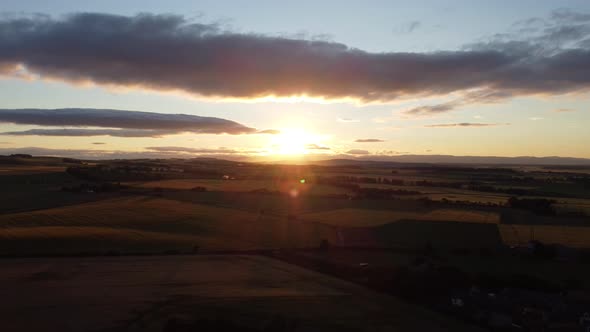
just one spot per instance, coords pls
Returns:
(128, 123)
(169, 52)
(316, 147)
(484, 96)
(90, 132)
(563, 30)
(369, 140)
(78, 153)
(431, 109)
(466, 124)
(358, 152)
(98, 143)
(153, 152)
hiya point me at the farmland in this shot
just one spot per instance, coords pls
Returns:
(368, 218)
(574, 236)
(216, 205)
(147, 224)
(242, 186)
(390, 227)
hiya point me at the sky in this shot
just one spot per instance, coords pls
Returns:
(277, 80)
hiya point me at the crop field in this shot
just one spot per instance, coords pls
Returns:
(369, 218)
(268, 206)
(143, 293)
(438, 193)
(572, 236)
(474, 198)
(73, 240)
(573, 205)
(20, 170)
(453, 194)
(145, 223)
(244, 186)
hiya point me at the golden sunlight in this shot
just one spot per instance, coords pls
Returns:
(294, 142)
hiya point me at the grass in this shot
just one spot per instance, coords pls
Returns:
(90, 239)
(572, 236)
(368, 218)
(156, 224)
(27, 192)
(568, 189)
(142, 223)
(143, 212)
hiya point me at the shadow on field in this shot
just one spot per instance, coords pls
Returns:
(181, 324)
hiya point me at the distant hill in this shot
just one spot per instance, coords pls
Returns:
(448, 159)
(335, 160)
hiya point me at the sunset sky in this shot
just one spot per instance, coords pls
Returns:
(274, 80)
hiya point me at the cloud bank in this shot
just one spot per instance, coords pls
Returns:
(150, 152)
(125, 123)
(90, 132)
(173, 53)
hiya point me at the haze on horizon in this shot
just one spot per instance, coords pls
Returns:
(287, 81)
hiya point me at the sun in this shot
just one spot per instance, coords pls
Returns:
(294, 142)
